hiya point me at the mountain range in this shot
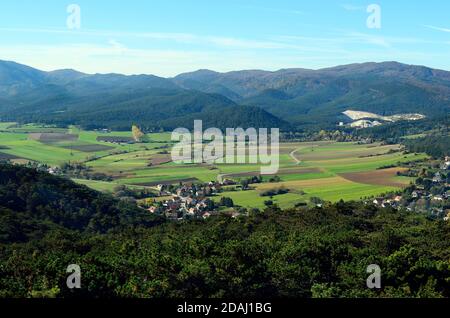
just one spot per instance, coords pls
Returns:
(286, 98)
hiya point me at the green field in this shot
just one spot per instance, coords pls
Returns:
(309, 169)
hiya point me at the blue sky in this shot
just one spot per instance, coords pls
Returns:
(169, 37)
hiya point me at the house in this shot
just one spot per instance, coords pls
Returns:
(447, 218)
(228, 182)
(386, 203)
(200, 194)
(174, 205)
(415, 194)
(201, 205)
(378, 201)
(191, 201)
(152, 209)
(171, 214)
(437, 178)
(235, 215)
(192, 211)
(206, 215)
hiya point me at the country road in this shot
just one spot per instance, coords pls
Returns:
(292, 154)
(221, 177)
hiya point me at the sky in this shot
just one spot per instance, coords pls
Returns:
(169, 37)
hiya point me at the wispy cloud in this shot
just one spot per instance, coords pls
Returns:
(155, 53)
(351, 7)
(274, 10)
(342, 38)
(370, 39)
(184, 38)
(437, 28)
(273, 43)
(112, 56)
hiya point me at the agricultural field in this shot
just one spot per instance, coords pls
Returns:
(37, 143)
(327, 170)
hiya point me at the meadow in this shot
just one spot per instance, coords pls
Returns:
(328, 170)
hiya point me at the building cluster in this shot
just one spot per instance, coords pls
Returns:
(430, 194)
(187, 201)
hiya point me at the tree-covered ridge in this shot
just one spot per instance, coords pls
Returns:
(313, 99)
(430, 135)
(321, 252)
(32, 203)
(394, 132)
(435, 146)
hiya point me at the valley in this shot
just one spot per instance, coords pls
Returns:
(211, 157)
(327, 170)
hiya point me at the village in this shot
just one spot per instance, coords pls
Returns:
(429, 194)
(193, 201)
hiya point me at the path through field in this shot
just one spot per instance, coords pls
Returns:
(292, 154)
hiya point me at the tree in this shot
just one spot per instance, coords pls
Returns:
(316, 200)
(137, 133)
(227, 202)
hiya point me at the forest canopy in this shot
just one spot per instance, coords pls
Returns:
(318, 252)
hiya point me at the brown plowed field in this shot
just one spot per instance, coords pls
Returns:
(383, 177)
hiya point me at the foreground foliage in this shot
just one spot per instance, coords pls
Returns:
(322, 252)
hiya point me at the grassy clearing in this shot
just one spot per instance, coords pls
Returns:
(5, 126)
(31, 128)
(101, 186)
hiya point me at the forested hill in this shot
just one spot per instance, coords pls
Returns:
(48, 223)
(116, 101)
(33, 203)
(314, 98)
(431, 135)
(230, 117)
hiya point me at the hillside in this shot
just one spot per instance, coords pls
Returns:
(314, 98)
(230, 117)
(307, 96)
(115, 101)
(300, 253)
(34, 203)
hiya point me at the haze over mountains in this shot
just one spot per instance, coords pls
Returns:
(290, 97)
